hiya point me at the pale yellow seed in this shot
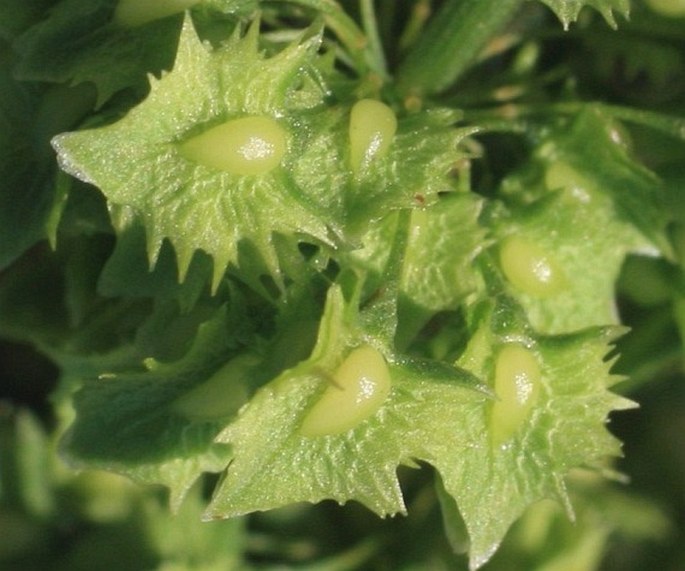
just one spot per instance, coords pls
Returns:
(517, 384)
(133, 13)
(529, 268)
(372, 129)
(221, 395)
(357, 390)
(247, 146)
(560, 175)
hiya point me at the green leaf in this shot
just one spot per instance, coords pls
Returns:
(437, 268)
(583, 203)
(79, 43)
(435, 413)
(577, 230)
(25, 185)
(606, 516)
(413, 172)
(198, 207)
(595, 138)
(30, 205)
(568, 10)
(127, 422)
(15, 16)
(312, 193)
(274, 465)
(566, 427)
(127, 272)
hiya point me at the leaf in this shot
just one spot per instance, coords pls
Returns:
(274, 465)
(79, 43)
(437, 267)
(578, 231)
(15, 17)
(415, 169)
(435, 413)
(25, 179)
(545, 538)
(194, 206)
(584, 203)
(127, 272)
(594, 138)
(568, 10)
(127, 422)
(566, 428)
(313, 193)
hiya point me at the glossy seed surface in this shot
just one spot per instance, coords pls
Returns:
(517, 384)
(529, 268)
(357, 390)
(372, 129)
(247, 146)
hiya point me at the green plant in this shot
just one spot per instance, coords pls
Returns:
(290, 251)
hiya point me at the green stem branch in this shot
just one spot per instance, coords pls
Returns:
(451, 42)
(375, 47)
(343, 26)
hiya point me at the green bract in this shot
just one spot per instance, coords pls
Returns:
(568, 10)
(193, 205)
(224, 206)
(298, 250)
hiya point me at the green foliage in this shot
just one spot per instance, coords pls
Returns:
(477, 263)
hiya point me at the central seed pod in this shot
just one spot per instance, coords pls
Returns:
(357, 390)
(221, 395)
(372, 128)
(517, 384)
(246, 146)
(529, 268)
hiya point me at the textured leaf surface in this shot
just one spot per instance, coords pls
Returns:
(195, 206)
(596, 148)
(435, 413)
(275, 465)
(578, 235)
(590, 207)
(137, 164)
(566, 428)
(438, 270)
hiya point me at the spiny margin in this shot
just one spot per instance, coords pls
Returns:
(137, 165)
(566, 428)
(568, 10)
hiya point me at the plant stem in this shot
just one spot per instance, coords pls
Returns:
(451, 43)
(375, 47)
(343, 26)
(508, 117)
